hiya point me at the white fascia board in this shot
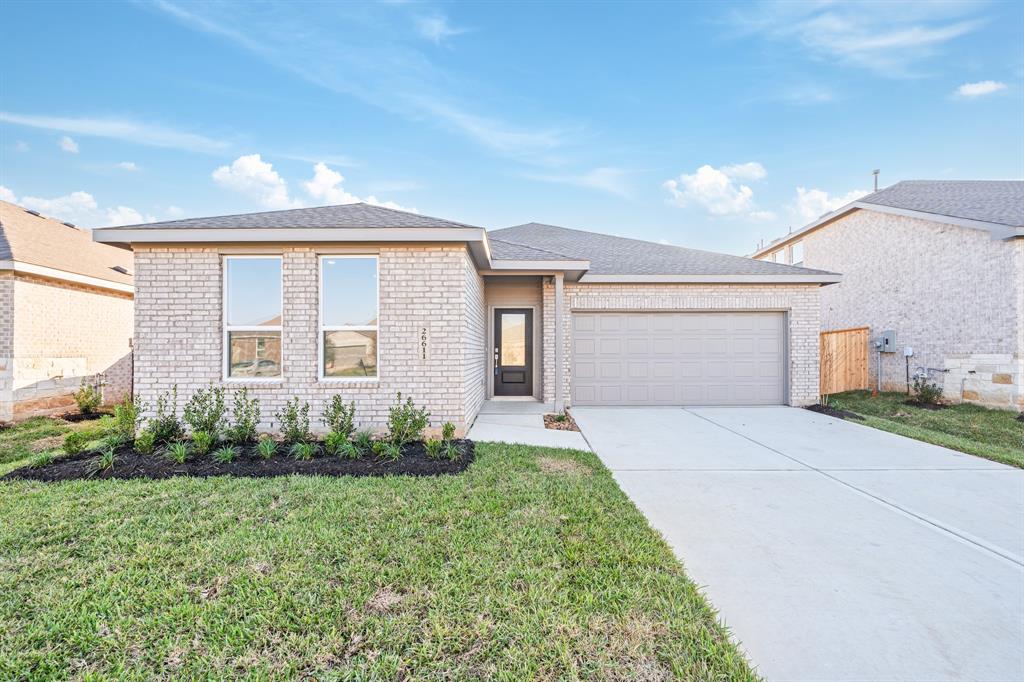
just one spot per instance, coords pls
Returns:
(814, 278)
(795, 236)
(183, 235)
(64, 275)
(549, 265)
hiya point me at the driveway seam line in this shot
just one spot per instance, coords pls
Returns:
(999, 552)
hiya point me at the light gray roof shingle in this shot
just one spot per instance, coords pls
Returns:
(990, 201)
(610, 255)
(502, 249)
(359, 215)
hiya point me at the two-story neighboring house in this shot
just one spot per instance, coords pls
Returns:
(941, 264)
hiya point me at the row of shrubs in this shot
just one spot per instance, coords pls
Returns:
(207, 428)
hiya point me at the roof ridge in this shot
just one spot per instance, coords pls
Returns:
(534, 248)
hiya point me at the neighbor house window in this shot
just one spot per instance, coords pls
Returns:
(348, 317)
(252, 317)
(774, 257)
(797, 253)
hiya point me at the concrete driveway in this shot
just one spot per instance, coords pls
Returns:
(832, 550)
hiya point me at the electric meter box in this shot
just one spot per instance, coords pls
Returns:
(888, 341)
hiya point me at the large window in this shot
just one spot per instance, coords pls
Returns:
(252, 317)
(348, 317)
(797, 251)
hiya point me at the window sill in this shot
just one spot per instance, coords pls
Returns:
(253, 380)
(349, 380)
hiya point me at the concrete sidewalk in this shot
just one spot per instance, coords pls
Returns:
(521, 422)
(832, 550)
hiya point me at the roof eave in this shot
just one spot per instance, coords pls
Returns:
(810, 278)
(64, 276)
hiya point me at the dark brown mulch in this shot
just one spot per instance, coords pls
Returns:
(1020, 417)
(79, 417)
(833, 412)
(925, 406)
(130, 464)
(567, 424)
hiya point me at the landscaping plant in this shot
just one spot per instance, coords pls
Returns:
(145, 443)
(447, 431)
(434, 448)
(294, 418)
(334, 441)
(387, 451)
(926, 392)
(266, 448)
(245, 417)
(363, 440)
(339, 417)
(349, 450)
(75, 442)
(205, 410)
(177, 452)
(406, 422)
(304, 450)
(451, 451)
(127, 416)
(105, 462)
(225, 455)
(203, 441)
(165, 425)
(88, 397)
(41, 460)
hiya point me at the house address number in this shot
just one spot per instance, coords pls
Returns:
(423, 343)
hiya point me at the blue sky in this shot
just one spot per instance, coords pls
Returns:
(705, 125)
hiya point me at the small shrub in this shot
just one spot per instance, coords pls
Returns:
(165, 425)
(113, 441)
(334, 441)
(926, 392)
(294, 420)
(105, 462)
(349, 450)
(88, 397)
(363, 440)
(226, 454)
(177, 452)
(203, 441)
(433, 448)
(388, 451)
(145, 443)
(304, 450)
(339, 417)
(447, 431)
(75, 442)
(127, 416)
(205, 410)
(41, 460)
(561, 417)
(451, 451)
(266, 448)
(406, 422)
(245, 417)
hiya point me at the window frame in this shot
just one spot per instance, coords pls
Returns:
(322, 328)
(227, 328)
(792, 253)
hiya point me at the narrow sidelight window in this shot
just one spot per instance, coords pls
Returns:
(252, 317)
(348, 317)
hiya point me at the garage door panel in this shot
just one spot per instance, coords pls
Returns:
(678, 358)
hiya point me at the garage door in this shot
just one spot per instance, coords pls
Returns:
(678, 358)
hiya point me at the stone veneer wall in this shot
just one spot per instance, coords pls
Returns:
(953, 294)
(179, 331)
(55, 335)
(800, 301)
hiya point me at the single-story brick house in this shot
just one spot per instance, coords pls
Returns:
(366, 301)
(940, 263)
(65, 314)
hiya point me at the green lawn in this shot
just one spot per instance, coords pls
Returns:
(530, 565)
(992, 434)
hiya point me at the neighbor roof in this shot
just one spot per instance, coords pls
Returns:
(359, 215)
(32, 239)
(619, 256)
(993, 205)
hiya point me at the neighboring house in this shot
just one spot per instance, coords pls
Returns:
(365, 301)
(940, 263)
(65, 314)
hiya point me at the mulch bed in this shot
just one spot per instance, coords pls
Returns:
(130, 464)
(833, 412)
(567, 424)
(79, 417)
(926, 406)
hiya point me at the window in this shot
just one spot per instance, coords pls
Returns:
(774, 256)
(797, 253)
(252, 317)
(348, 317)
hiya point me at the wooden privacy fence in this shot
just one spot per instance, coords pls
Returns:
(844, 360)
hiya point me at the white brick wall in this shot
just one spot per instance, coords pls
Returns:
(179, 332)
(801, 302)
(953, 294)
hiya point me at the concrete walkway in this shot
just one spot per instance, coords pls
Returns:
(833, 551)
(515, 421)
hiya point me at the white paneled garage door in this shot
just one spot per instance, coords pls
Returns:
(678, 358)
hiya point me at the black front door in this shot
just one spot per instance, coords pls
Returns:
(513, 351)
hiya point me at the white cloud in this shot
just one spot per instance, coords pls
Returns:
(79, 208)
(175, 211)
(7, 195)
(68, 145)
(811, 204)
(325, 187)
(125, 215)
(717, 190)
(437, 29)
(610, 180)
(119, 129)
(254, 177)
(21, 146)
(972, 90)
(128, 166)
